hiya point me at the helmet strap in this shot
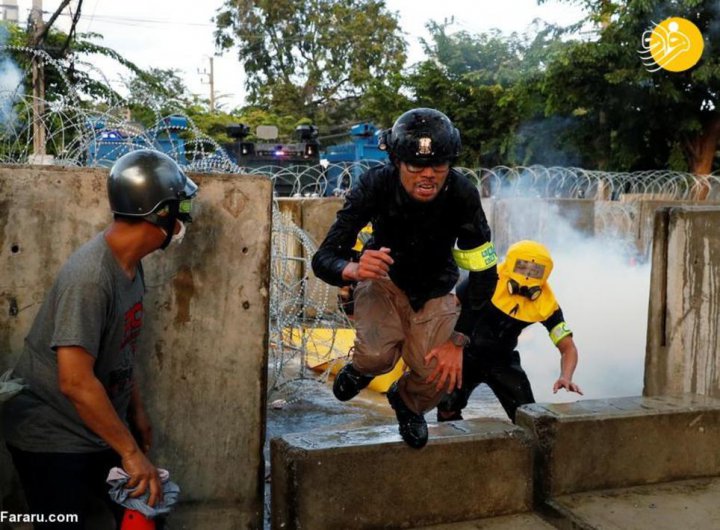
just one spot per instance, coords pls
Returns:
(167, 222)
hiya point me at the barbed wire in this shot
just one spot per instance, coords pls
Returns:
(78, 134)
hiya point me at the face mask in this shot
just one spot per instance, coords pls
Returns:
(177, 238)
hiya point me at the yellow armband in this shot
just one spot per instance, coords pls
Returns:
(559, 332)
(476, 259)
(363, 237)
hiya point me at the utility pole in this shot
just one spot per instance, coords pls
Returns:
(211, 82)
(38, 30)
(38, 80)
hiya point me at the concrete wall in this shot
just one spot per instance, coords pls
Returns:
(622, 442)
(683, 347)
(517, 219)
(481, 469)
(203, 374)
(514, 219)
(314, 216)
(369, 478)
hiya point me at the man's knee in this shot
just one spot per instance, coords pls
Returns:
(374, 362)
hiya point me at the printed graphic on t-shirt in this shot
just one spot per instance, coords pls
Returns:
(120, 378)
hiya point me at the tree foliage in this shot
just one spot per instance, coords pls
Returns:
(627, 117)
(303, 55)
(481, 82)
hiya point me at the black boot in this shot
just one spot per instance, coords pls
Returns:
(413, 427)
(349, 382)
(451, 405)
(449, 415)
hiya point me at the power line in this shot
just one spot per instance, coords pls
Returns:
(92, 16)
(131, 21)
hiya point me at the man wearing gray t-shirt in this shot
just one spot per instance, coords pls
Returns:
(74, 421)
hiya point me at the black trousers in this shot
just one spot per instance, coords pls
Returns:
(65, 483)
(502, 373)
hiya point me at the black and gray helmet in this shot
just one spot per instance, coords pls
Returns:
(150, 185)
(423, 137)
(142, 182)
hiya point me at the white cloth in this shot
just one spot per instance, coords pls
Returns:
(118, 478)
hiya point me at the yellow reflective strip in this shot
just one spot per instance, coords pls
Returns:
(476, 259)
(363, 237)
(559, 332)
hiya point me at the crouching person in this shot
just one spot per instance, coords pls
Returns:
(522, 297)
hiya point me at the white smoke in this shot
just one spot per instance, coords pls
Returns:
(602, 285)
(11, 88)
(603, 293)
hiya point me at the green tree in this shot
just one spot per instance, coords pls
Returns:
(481, 82)
(70, 58)
(630, 118)
(311, 57)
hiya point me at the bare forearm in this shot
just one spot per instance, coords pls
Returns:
(568, 362)
(95, 409)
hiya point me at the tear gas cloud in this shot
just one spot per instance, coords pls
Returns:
(604, 298)
(602, 289)
(10, 86)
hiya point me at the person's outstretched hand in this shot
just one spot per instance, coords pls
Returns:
(567, 385)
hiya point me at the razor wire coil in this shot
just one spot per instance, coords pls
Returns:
(78, 134)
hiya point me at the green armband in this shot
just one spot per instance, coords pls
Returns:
(559, 332)
(476, 259)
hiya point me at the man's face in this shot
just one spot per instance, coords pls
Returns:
(423, 183)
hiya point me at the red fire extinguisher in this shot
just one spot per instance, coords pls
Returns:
(134, 520)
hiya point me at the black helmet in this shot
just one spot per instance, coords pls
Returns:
(423, 137)
(150, 185)
(141, 182)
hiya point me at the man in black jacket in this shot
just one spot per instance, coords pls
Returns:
(427, 220)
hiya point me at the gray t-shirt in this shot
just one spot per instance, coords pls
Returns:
(94, 305)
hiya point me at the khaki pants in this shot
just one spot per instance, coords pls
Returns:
(387, 329)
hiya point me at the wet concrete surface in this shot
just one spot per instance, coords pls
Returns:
(687, 504)
(309, 405)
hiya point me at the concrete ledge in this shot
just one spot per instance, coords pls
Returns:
(211, 516)
(684, 504)
(615, 443)
(368, 478)
(524, 521)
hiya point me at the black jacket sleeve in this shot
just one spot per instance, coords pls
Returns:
(335, 251)
(474, 232)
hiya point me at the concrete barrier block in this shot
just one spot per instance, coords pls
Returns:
(522, 521)
(202, 373)
(683, 339)
(615, 443)
(521, 218)
(368, 478)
